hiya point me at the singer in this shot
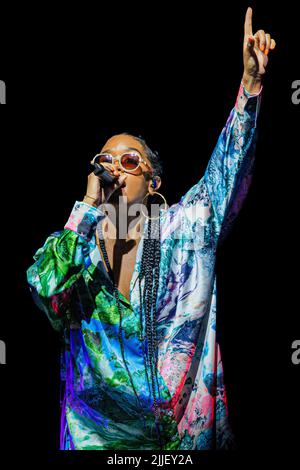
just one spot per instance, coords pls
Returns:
(141, 366)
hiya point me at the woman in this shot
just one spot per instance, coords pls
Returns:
(141, 367)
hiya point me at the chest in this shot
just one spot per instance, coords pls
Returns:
(122, 259)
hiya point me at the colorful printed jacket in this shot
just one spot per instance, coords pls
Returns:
(70, 284)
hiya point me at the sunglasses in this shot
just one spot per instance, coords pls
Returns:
(128, 161)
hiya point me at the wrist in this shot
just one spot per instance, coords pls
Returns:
(90, 201)
(251, 83)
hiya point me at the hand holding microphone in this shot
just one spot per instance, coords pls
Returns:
(106, 177)
(99, 179)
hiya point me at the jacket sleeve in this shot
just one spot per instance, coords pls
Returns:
(208, 209)
(59, 264)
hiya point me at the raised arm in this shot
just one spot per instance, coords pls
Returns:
(211, 205)
(229, 171)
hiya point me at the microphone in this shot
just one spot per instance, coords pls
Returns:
(105, 176)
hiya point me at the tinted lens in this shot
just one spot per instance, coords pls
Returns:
(102, 158)
(130, 161)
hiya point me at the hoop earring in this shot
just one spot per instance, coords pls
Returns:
(142, 203)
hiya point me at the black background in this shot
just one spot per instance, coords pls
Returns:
(74, 79)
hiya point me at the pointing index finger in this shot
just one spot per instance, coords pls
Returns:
(248, 22)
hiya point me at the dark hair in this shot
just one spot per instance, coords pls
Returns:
(152, 155)
(149, 275)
